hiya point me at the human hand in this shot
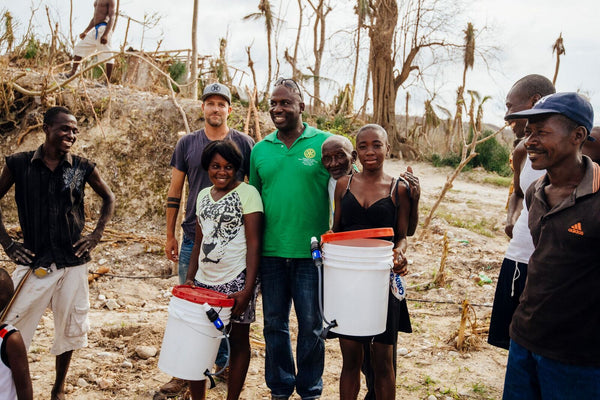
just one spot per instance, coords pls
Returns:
(171, 249)
(242, 298)
(400, 262)
(508, 229)
(86, 244)
(82, 35)
(413, 183)
(104, 39)
(18, 253)
(189, 282)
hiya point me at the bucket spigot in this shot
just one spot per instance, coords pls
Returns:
(213, 317)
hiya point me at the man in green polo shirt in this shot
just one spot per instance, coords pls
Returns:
(286, 169)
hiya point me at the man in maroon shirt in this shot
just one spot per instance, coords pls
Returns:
(555, 342)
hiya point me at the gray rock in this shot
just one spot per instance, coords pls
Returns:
(112, 304)
(104, 383)
(82, 383)
(145, 352)
(402, 351)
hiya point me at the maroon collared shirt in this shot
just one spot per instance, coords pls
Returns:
(559, 312)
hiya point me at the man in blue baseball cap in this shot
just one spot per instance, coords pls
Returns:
(555, 346)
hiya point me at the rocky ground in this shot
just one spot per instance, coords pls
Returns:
(129, 310)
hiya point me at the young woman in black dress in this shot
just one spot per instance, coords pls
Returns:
(373, 199)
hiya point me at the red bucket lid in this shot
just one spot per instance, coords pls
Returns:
(359, 234)
(201, 296)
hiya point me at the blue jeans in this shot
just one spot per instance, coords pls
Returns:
(185, 253)
(531, 376)
(284, 280)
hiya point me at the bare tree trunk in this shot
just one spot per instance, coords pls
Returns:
(126, 33)
(251, 66)
(406, 110)
(71, 38)
(381, 62)
(321, 10)
(296, 74)
(355, 64)
(116, 15)
(366, 96)
(559, 48)
(194, 62)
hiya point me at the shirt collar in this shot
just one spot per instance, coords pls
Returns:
(590, 184)
(308, 131)
(39, 155)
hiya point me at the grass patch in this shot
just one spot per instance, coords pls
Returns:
(483, 226)
(428, 380)
(502, 181)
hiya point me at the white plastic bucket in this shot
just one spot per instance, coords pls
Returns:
(356, 285)
(191, 341)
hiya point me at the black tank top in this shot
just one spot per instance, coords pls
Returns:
(380, 214)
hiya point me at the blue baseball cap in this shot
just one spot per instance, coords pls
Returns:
(570, 104)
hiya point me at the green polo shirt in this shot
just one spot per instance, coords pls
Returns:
(293, 186)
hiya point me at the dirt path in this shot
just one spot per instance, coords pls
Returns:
(428, 364)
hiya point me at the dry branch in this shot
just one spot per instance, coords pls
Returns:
(28, 131)
(95, 275)
(468, 154)
(466, 339)
(56, 86)
(440, 277)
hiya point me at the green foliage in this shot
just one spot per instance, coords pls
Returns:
(492, 156)
(447, 160)
(177, 71)
(340, 125)
(97, 72)
(32, 48)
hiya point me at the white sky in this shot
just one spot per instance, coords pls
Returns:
(524, 31)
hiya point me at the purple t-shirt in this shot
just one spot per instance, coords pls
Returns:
(186, 158)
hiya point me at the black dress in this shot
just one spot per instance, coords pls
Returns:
(381, 214)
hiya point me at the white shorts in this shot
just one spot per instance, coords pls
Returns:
(65, 291)
(91, 44)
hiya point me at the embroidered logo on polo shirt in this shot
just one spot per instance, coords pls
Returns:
(310, 153)
(576, 229)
